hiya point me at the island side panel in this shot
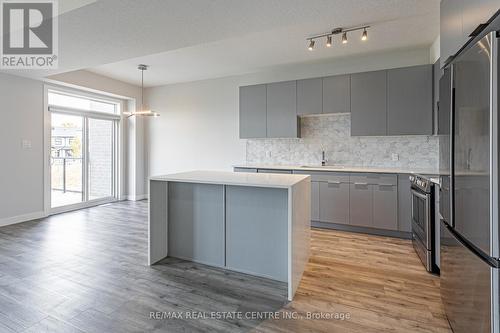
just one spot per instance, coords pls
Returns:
(300, 233)
(157, 226)
(196, 222)
(257, 231)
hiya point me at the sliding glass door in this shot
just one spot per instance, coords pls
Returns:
(66, 160)
(84, 154)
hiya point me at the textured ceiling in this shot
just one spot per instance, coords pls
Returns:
(187, 40)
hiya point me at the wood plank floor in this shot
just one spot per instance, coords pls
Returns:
(86, 271)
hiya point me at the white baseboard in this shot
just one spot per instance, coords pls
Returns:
(21, 218)
(137, 197)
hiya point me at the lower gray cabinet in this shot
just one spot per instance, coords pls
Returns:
(315, 201)
(385, 206)
(404, 203)
(361, 205)
(334, 202)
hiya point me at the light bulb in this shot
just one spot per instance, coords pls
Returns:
(365, 35)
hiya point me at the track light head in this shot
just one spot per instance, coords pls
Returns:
(311, 45)
(364, 36)
(329, 41)
(344, 38)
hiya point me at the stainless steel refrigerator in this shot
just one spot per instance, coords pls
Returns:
(469, 192)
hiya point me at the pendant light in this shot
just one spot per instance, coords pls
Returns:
(142, 111)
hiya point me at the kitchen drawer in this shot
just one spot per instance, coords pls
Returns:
(325, 176)
(374, 178)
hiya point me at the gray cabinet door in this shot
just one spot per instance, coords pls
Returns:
(385, 206)
(315, 201)
(334, 202)
(451, 28)
(282, 110)
(309, 96)
(475, 13)
(404, 203)
(369, 103)
(437, 72)
(337, 94)
(361, 205)
(444, 110)
(409, 100)
(253, 111)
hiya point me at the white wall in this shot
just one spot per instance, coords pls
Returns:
(435, 50)
(21, 170)
(199, 122)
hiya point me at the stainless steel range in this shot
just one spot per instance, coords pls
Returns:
(422, 217)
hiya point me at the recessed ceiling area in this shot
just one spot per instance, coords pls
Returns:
(394, 24)
(197, 39)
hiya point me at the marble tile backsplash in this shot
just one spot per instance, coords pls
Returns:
(331, 133)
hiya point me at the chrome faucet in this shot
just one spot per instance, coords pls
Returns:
(323, 159)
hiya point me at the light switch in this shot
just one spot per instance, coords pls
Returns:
(268, 154)
(26, 144)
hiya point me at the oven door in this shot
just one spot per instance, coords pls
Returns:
(421, 216)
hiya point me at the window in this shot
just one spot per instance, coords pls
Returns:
(59, 99)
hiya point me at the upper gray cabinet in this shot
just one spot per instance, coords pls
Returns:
(309, 96)
(253, 111)
(409, 104)
(282, 121)
(458, 19)
(337, 94)
(369, 103)
(437, 72)
(444, 112)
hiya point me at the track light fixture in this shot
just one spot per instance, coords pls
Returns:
(338, 31)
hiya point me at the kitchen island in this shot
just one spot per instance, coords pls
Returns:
(257, 224)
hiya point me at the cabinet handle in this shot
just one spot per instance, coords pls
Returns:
(333, 183)
(386, 185)
(363, 184)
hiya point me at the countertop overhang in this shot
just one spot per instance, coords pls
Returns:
(234, 178)
(332, 168)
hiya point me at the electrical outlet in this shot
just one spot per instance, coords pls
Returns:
(268, 153)
(26, 144)
(395, 157)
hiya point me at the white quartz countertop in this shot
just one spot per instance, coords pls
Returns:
(340, 169)
(234, 178)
